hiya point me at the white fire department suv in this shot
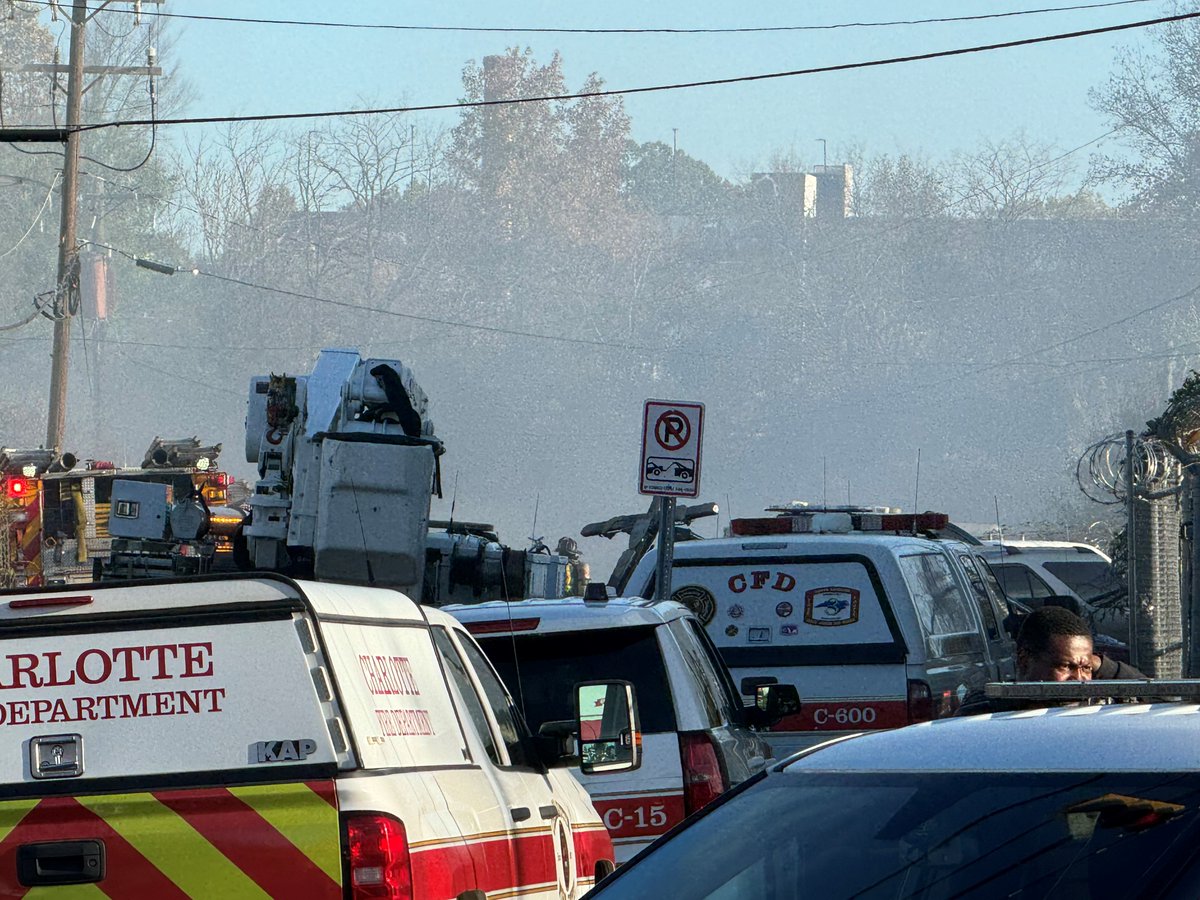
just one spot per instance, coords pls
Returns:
(876, 620)
(695, 737)
(256, 736)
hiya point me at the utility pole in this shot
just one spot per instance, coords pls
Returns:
(66, 290)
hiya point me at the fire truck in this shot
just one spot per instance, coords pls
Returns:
(55, 510)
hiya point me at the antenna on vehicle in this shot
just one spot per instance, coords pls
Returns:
(917, 490)
(999, 529)
(848, 503)
(512, 637)
(824, 486)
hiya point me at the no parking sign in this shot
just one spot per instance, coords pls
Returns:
(671, 439)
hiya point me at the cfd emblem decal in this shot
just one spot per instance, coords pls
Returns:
(831, 606)
(699, 600)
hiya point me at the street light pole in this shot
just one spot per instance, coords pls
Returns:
(66, 289)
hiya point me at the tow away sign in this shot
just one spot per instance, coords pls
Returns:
(671, 438)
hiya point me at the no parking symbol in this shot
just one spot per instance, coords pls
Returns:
(671, 439)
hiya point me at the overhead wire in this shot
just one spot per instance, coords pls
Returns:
(765, 29)
(36, 218)
(646, 89)
(377, 310)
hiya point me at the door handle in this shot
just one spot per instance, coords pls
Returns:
(60, 862)
(548, 812)
(520, 813)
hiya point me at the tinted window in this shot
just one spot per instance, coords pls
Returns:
(457, 670)
(941, 606)
(1021, 584)
(546, 667)
(511, 730)
(934, 836)
(1090, 579)
(981, 595)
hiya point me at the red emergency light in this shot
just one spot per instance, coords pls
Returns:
(16, 487)
(802, 523)
(503, 626)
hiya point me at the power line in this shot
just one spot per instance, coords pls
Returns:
(677, 86)
(383, 26)
(378, 310)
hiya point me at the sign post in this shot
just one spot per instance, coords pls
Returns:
(671, 440)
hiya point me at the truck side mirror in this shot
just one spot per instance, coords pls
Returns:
(771, 703)
(606, 720)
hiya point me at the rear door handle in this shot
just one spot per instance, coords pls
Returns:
(60, 862)
(520, 813)
(548, 812)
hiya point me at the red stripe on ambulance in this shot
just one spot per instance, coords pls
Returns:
(493, 864)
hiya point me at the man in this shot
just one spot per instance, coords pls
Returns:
(1053, 644)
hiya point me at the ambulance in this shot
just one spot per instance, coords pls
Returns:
(256, 736)
(874, 617)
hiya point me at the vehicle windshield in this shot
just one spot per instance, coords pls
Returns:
(1090, 579)
(547, 666)
(934, 837)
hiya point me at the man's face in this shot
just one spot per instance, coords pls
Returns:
(1068, 658)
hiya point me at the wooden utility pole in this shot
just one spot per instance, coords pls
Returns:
(66, 291)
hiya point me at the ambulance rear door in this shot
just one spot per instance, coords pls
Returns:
(823, 623)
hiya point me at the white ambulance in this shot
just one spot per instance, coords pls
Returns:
(873, 617)
(255, 736)
(696, 735)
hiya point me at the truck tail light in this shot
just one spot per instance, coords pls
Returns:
(920, 702)
(377, 859)
(703, 780)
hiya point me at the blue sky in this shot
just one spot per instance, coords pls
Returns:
(932, 108)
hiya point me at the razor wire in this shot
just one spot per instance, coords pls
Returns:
(1100, 471)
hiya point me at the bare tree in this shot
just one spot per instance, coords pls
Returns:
(1152, 100)
(1008, 179)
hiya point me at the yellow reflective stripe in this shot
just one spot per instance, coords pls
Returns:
(71, 891)
(174, 847)
(11, 814)
(303, 817)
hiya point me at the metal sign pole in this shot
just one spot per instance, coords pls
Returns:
(666, 548)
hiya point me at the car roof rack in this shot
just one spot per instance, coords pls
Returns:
(1179, 688)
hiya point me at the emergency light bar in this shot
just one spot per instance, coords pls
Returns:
(817, 522)
(1183, 688)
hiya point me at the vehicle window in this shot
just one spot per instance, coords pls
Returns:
(546, 668)
(701, 674)
(979, 588)
(1092, 580)
(512, 728)
(458, 673)
(731, 700)
(1020, 583)
(941, 607)
(1064, 835)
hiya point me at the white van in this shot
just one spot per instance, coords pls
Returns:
(1033, 571)
(872, 617)
(257, 736)
(696, 739)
